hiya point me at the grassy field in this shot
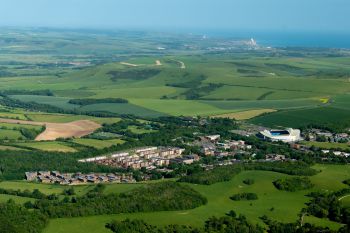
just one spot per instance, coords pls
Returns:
(2, 147)
(60, 102)
(23, 185)
(18, 200)
(44, 188)
(65, 118)
(11, 115)
(264, 104)
(346, 201)
(337, 111)
(18, 126)
(179, 107)
(10, 134)
(58, 189)
(139, 130)
(48, 146)
(330, 178)
(99, 144)
(245, 115)
(9, 131)
(329, 145)
(123, 109)
(301, 117)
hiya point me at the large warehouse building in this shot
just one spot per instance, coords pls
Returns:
(287, 135)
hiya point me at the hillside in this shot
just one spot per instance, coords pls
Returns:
(207, 85)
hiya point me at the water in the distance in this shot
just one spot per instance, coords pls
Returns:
(290, 39)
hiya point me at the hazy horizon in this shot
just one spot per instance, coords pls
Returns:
(180, 15)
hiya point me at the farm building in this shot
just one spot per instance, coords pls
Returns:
(287, 135)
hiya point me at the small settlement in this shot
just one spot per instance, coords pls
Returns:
(55, 177)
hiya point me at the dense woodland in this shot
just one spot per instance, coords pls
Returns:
(163, 196)
(17, 219)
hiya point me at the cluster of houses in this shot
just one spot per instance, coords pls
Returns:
(149, 158)
(336, 153)
(211, 146)
(317, 134)
(55, 177)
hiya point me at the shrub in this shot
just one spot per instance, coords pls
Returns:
(248, 181)
(293, 184)
(244, 197)
(347, 181)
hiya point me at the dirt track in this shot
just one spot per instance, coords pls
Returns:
(59, 130)
(129, 64)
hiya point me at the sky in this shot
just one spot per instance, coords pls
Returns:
(283, 15)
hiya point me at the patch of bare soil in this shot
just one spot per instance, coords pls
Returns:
(59, 130)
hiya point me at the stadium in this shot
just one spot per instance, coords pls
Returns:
(287, 135)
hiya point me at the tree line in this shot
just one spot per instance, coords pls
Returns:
(163, 196)
(293, 184)
(84, 102)
(227, 224)
(226, 173)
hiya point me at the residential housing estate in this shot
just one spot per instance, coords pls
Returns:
(148, 157)
(56, 177)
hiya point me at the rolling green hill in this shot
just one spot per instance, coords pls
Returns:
(208, 85)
